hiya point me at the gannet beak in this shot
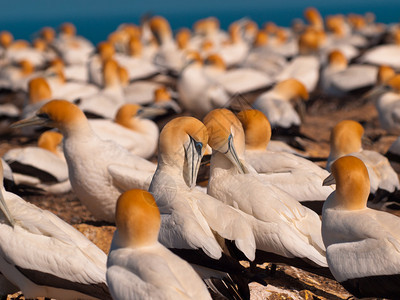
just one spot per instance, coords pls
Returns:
(233, 157)
(300, 107)
(35, 120)
(329, 180)
(5, 210)
(193, 158)
(151, 112)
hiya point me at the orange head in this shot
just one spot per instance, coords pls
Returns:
(257, 129)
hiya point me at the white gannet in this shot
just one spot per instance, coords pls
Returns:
(130, 129)
(239, 80)
(42, 167)
(98, 170)
(276, 103)
(346, 139)
(16, 78)
(198, 93)
(362, 244)
(104, 52)
(22, 50)
(194, 223)
(74, 50)
(339, 78)
(282, 227)
(295, 175)
(106, 102)
(46, 257)
(138, 266)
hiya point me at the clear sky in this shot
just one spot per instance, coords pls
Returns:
(98, 17)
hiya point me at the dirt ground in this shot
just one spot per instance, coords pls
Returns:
(287, 282)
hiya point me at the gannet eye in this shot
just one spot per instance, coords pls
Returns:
(198, 145)
(43, 116)
(139, 112)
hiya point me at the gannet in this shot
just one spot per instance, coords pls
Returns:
(98, 170)
(106, 103)
(362, 244)
(46, 257)
(130, 129)
(276, 103)
(295, 175)
(281, 225)
(138, 266)
(339, 78)
(346, 139)
(41, 167)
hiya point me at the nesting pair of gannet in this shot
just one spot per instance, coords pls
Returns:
(282, 227)
(99, 171)
(346, 139)
(130, 129)
(362, 244)
(193, 224)
(276, 103)
(46, 257)
(138, 266)
(339, 78)
(295, 175)
(42, 167)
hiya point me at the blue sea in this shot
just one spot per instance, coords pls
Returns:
(95, 19)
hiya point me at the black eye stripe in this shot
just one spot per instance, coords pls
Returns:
(43, 116)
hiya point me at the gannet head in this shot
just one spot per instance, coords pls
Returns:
(48, 34)
(3, 205)
(346, 138)
(38, 90)
(311, 40)
(50, 140)
(6, 39)
(337, 59)
(27, 67)
(226, 136)
(137, 218)
(106, 50)
(131, 30)
(68, 29)
(257, 129)
(135, 47)
(235, 32)
(162, 94)
(336, 25)
(61, 114)
(216, 61)
(352, 183)
(270, 27)
(261, 39)
(182, 38)
(385, 73)
(291, 90)
(161, 29)
(312, 15)
(127, 113)
(19, 45)
(181, 146)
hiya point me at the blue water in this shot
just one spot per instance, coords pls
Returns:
(95, 19)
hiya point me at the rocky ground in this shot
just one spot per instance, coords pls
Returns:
(288, 282)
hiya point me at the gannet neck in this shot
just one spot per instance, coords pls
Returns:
(257, 129)
(385, 73)
(394, 83)
(337, 60)
(137, 218)
(182, 38)
(346, 138)
(135, 47)
(352, 183)
(126, 115)
(110, 75)
(105, 50)
(27, 67)
(48, 34)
